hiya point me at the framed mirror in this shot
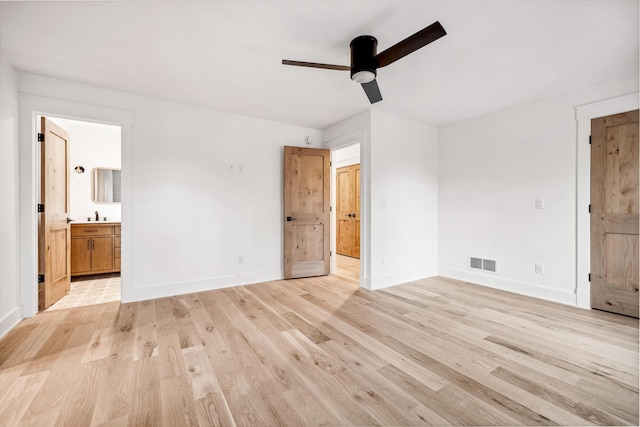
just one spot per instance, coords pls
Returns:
(105, 185)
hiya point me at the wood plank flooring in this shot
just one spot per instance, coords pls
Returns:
(348, 268)
(321, 351)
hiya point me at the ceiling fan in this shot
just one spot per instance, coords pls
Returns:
(365, 61)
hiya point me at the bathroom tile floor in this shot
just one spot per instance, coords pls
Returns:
(90, 290)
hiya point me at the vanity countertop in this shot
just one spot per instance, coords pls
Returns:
(95, 223)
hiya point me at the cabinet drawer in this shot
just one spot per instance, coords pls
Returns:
(116, 229)
(91, 230)
(116, 242)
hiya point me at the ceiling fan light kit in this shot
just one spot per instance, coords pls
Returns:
(365, 60)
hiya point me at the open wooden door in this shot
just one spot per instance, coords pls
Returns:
(54, 234)
(614, 213)
(306, 210)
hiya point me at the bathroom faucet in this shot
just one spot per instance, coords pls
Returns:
(97, 216)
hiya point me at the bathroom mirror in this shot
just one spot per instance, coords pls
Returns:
(105, 185)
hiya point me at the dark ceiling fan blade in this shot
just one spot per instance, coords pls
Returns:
(316, 65)
(412, 43)
(373, 91)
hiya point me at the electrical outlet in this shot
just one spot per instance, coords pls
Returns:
(539, 268)
(381, 261)
(240, 260)
(230, 168)
(241, 168)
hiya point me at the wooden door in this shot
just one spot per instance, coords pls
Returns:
(614, 213)
(54, 237)
(348, 211)
(306, 211)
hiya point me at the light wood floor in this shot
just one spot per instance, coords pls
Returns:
(348, 267)
(320, 351)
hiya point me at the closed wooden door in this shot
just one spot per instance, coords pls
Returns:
(614, 213)
(348, 211)
(306, 210)
(54, 235)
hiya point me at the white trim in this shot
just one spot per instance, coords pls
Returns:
(549, 294)
(398, 279)
(584, 114)
(10, 321)
(30, 107)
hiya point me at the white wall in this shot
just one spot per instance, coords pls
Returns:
(492, 169)
(10, 310)
(190, 218)
(91, 145)
(404, 200)
(399, 195)
(346, 156)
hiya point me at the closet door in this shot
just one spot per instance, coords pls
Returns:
(615, 248)
(348, 211)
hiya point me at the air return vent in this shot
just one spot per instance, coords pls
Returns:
(489, 265)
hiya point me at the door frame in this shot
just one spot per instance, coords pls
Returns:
(584, 114)
(30, 107)
(334, 197)
(359, 136)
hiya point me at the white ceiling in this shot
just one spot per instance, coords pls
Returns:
(227, 55)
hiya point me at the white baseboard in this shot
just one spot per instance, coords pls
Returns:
(555, 295)
(182, 288)
(10, 320)
(398, 279)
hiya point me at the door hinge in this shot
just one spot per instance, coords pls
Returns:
(589, 139)
(589, 208)
(40, 137)
(589, 276)
(330, 253)
(330, 163)
(40, 207)
(330, 208)
(40, 278)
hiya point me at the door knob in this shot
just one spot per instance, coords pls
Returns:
(291, 219)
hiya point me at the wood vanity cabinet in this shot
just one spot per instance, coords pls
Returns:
(95, 248)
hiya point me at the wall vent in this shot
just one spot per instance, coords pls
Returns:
(482, 264)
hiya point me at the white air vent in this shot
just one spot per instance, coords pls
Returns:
(489, 265)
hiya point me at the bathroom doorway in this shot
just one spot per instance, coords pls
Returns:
(93, 179)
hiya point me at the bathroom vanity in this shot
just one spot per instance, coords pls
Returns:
(95, 248)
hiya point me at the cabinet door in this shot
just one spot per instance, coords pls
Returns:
(80, 255)
(116, 251)
(102, 253)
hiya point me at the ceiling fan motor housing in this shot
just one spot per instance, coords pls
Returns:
(363, 53)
